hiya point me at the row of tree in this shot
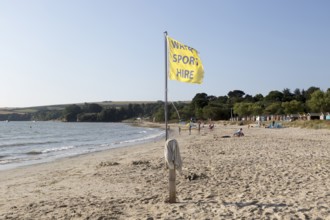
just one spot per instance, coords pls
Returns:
(96, 113)
(202, 106)
(237, 103)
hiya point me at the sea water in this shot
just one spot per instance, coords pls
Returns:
(26, 143)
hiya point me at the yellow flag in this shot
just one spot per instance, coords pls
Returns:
(184, 63)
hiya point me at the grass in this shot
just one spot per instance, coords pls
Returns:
(25, 110)
(313, 124)
(62, 106)
(5, 112)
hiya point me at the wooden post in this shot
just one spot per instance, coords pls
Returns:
(172, 189)
(173, 162)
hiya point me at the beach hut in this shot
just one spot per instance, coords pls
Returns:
(260, 118)
(322, 116)
(250, 118)
(313, 116)
(327, 117)
(278, 117)
(302, 116)
(293, 117)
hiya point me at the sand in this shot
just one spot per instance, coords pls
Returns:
(267, 174)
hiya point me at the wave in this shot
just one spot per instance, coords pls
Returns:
(12, 160)
(54, 149)
(155, 136)
(27, 143)
(5, 161)
(34, 152)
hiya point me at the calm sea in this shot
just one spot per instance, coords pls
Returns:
(26, 143)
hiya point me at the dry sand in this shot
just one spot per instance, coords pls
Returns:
(267, 174)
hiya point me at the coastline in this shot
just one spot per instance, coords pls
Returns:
(268, 173)
(46, 141)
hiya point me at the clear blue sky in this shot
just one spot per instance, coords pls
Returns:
(60, 52)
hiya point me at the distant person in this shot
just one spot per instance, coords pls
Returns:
(179, 130)
(239, 133)
(190, 128)
(211, 126)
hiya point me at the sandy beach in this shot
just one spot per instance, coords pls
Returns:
(267, 174)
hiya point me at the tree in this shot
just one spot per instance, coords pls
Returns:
(46, 115)
(200, 100)
(243, 108)
(199, 113)
(198, 103)
(299, 95)
(292, 107)
(216, 113)
(287, 95)
(221, 99)
(138, 111)
(274, 108)
(248, 98)
(257, 108)
(327, 101)
(87, 117)
(130, 111)
(310, 91)
(71, 112)
(235, 96)
(274, 96)
(258, 98)
(211, 98)
(160, 115)
(16, 117)
(317, 101)
(185, 112)
(92, 108)
(112, 115)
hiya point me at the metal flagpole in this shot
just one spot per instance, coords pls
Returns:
(166, 131)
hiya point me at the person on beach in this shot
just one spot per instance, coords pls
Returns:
(239, 133)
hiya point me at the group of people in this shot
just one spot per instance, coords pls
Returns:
(238, 133)
(199, 125)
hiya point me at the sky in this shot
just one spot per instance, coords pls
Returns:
(76, 51)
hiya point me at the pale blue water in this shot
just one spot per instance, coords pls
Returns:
(26, 143)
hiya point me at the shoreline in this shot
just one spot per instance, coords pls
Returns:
(110, 145)
(125, 147)
(268, 173)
